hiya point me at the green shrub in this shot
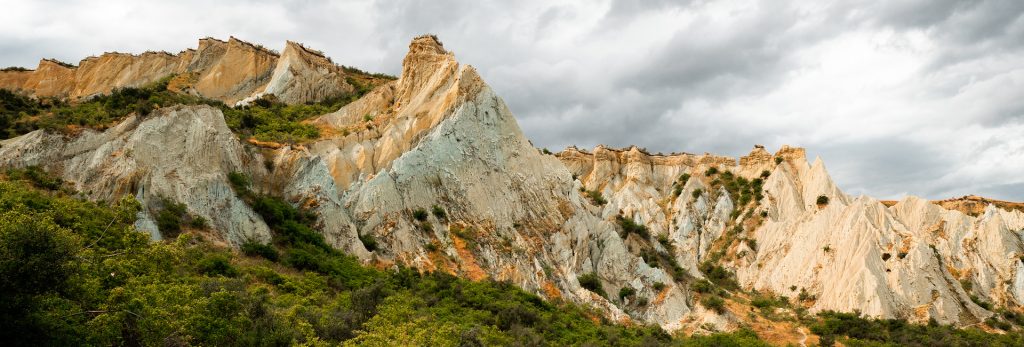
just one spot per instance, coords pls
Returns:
(217, 264)
(629, 226)
(369, 242)
(439, 213)
(169, 218)
(658, 286)
(589, 281)
(36, 176)
(714, 302)
(198, 222)
(702, 286)
(256, 249)
(625, 292)
(711, 171)
(419, 214)
(696, 193)
(778, 160)
(684, 178)
(239, 182)
(596, 197)
(765, 174)
(719, 275)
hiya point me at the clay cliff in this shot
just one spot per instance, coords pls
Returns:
(229, 71)
(434, 167)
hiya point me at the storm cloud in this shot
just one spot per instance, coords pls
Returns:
(897, 97)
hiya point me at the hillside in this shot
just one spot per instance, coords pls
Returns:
(430, 171)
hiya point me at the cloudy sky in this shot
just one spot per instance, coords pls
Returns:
(898, 97)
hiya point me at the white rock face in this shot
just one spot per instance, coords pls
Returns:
(180, 153)
(439, 138)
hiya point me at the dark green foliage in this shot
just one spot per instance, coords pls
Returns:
(822, 200)
(629, 226)
(778, 160)
(19, 115)
(984, 304)
(768, 302)
(702, 286)
(719, 275)
(742, 337)
(862, 331)
(239, 182)
(36, 176)
(369, 242)
(805, 296)
(658, 286)
(419, 214)
(217, 264)
(265, 119)
(596, 197)
(625, 292)
(590, 282)
(696, 193)
(438, 212)
(684, 178)
(546, 151)
(765, 174)
(714, 302)
(711, 171)
(256, 249)
(170, 217)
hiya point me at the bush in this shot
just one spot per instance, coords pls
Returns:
(626, 291)
(419, 214)
(719, 275)
(822, 200)
(596, 197)
(589, 281)
(684, 178)
(778, 160)
(696, 193)
(239, 182)
(217, 264)
(765, 174)
(714, 302)
(629, 226)
(256, 249)
(658, 286)
(439, 213)
(169, 218)
(711, 171)
(369, 242)
(702, 286)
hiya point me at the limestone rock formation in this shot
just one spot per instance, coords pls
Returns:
(434, 167)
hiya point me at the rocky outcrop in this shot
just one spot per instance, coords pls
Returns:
(179, 153)
(438, 140)
(229, 71)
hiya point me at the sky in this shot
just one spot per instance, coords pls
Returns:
(897, 97)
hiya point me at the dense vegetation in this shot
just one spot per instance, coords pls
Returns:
(264, 119)
(853, 330)
(75, 272)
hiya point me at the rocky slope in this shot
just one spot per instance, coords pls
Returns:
(229, 71)
(434, 167)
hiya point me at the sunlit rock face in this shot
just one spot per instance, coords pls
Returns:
(229, 71)
(439, 140)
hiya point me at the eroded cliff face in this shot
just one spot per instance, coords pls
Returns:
(438, 138)
(229, 71)
(912, 260)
